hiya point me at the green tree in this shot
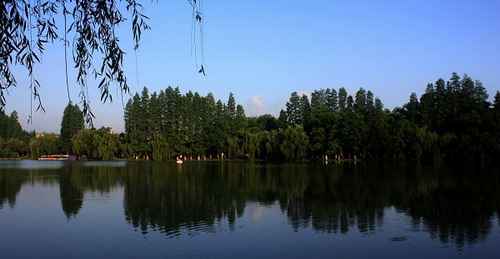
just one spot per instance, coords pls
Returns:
(10, 126)
(72, 122)
(231, 106)
(319, 143)
(353, 133)
(234, 148)
(155, 114)
(220, 130)
(496, 119)
(266, 122)
(45, 145)
(107, 144)
(252, 145)
(305, 110)
(84, 145)
(376, 121)
(350, 103)
(369, 101)
(332, 99)
(411, 110)
(323, 124)
(6, 149)
(460, 108)
(295, 143)
(360, 102)
(293, 110)
(135, 128)
(197, 114)
(14, 129)
(318, 98)
(160, 148)
(273, 140)
(426, 144)
(4, 122)
(13, 137)
(18, 146)
(283, 119)
(144, 131)
(342, 97)
(398, 145)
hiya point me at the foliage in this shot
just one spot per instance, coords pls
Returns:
(72, 122)
(28, 26)
(456, 121)
(295, 143)
(6, 151)
(451, 122)
(44, 145)
(99, 144)
(13, 139)
(10, 126)
(168, 124)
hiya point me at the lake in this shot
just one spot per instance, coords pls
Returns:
(58, 209)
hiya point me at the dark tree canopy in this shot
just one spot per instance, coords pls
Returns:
(72, 122)
(88, 28)
(9, 126)
(452, 122)
(13, 139)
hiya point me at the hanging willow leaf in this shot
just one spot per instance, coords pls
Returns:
(202, 70)
(26, 26)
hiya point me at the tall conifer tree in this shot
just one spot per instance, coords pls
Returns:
(72, 122)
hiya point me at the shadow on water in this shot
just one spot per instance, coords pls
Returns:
(454, 206)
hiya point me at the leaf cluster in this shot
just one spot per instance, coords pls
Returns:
(27, 26)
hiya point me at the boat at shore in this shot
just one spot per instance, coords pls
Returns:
(179, 160)
(57, 157)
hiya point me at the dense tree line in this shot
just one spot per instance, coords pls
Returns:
(168, 124)
(13, 139)
(72, 122)
(452, 121)
(100, 144)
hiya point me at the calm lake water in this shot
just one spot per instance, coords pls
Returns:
(235, 209)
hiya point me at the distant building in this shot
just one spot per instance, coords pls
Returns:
(110, 130)
(41, 134)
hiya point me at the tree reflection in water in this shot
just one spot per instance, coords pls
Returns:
(10, 186)
(452, 205)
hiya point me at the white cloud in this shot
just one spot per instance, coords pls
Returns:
(255, 106)
(257, 102)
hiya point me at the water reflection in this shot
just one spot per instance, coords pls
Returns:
(451, 205)
(10, 186)
(71, 189)
(165, 198)
(458, 208)
(77, 178)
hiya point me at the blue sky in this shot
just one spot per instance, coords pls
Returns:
(263, 50)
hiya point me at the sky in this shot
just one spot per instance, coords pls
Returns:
(263, 50)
